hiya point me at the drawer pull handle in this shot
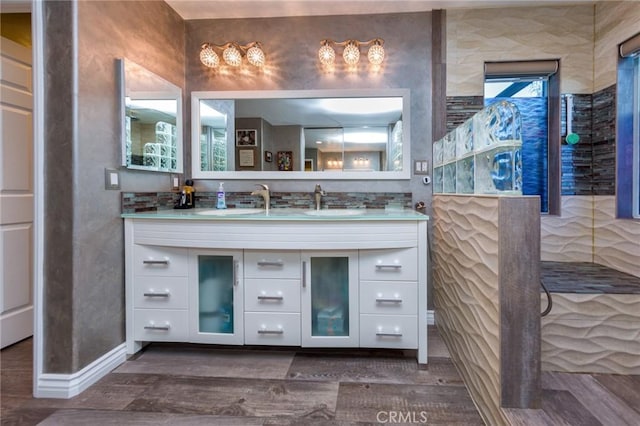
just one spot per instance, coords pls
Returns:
(157, 327)
(396, 267)
(304, 273)
(236, 278)
(270, 331)
(155, 262)
(156, 294)
(383, 300)
(270, 298)
(270, 263)
(388, 334)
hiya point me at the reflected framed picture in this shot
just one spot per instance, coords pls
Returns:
(285, 161)
(245, 158)
(246, 137)
(268, 156)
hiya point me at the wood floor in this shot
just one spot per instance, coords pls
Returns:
(199, 385)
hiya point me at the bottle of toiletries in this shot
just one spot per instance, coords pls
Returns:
(190, 201)
(222, 204)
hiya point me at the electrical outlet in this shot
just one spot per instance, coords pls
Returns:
(175, 181)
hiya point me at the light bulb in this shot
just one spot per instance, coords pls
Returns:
(351, 53)
(209, 57)
(376, 53)
(326, 54)
(255, 56)
(232, 56)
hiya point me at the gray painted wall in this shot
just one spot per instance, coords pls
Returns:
(84, 257)
(84, 253)
(291, 46)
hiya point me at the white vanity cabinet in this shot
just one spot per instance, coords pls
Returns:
(388, 298)
(272, 297)
(216, 297)
(304, 282)
(330, 299)
(159, 295)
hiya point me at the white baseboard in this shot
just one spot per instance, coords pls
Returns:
(430, 318)
(67, 386)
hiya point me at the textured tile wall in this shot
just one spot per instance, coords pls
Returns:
(616, 241)
(475, 36)
(569, 237)
(615, 21)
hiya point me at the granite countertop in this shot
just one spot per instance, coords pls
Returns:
(240, 214)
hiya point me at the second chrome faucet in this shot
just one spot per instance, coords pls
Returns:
(319, 193)
(264, 193)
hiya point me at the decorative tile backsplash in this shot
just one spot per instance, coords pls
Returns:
(137, 202)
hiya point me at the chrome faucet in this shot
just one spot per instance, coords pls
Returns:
(319, 193)
(264, 193)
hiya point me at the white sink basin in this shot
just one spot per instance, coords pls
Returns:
(335, 212)
(229, 212)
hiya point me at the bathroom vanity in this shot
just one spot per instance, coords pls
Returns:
(291, 277)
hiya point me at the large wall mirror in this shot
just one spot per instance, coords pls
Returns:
(310, 134)
(151, 111)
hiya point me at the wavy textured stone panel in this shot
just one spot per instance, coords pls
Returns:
(465, 273)
(592, 333)
(476, 293)
(569, 238)
(614, 23)
(475, 36)
(616, 241)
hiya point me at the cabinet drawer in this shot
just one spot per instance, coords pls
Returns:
(160, 292)
(153, 260)
(272, 264)
(272, 295)
(396, 298)
(389, 331)
(389, 265)
(272, 328)
(157, 325)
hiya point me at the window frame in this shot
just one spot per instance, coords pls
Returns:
(628, 137)
(549, 68)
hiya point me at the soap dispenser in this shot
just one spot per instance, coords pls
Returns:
(222, 204)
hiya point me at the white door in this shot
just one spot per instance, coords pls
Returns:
(16, 193)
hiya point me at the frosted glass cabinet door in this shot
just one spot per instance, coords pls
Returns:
(216, 299)
(330, 299)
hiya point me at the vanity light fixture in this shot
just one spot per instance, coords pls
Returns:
(351, 51)
(232, 54)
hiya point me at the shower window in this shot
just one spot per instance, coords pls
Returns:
(533, 88)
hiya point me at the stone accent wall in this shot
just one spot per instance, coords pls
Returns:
(462, 108)
(138, 202)
(577, 169)
(604, 141)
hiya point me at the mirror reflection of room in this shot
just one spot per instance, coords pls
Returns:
(151, 133)
(151, 120)
(301, 134)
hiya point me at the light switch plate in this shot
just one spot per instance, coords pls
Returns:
(111, 179)
(421, 167)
